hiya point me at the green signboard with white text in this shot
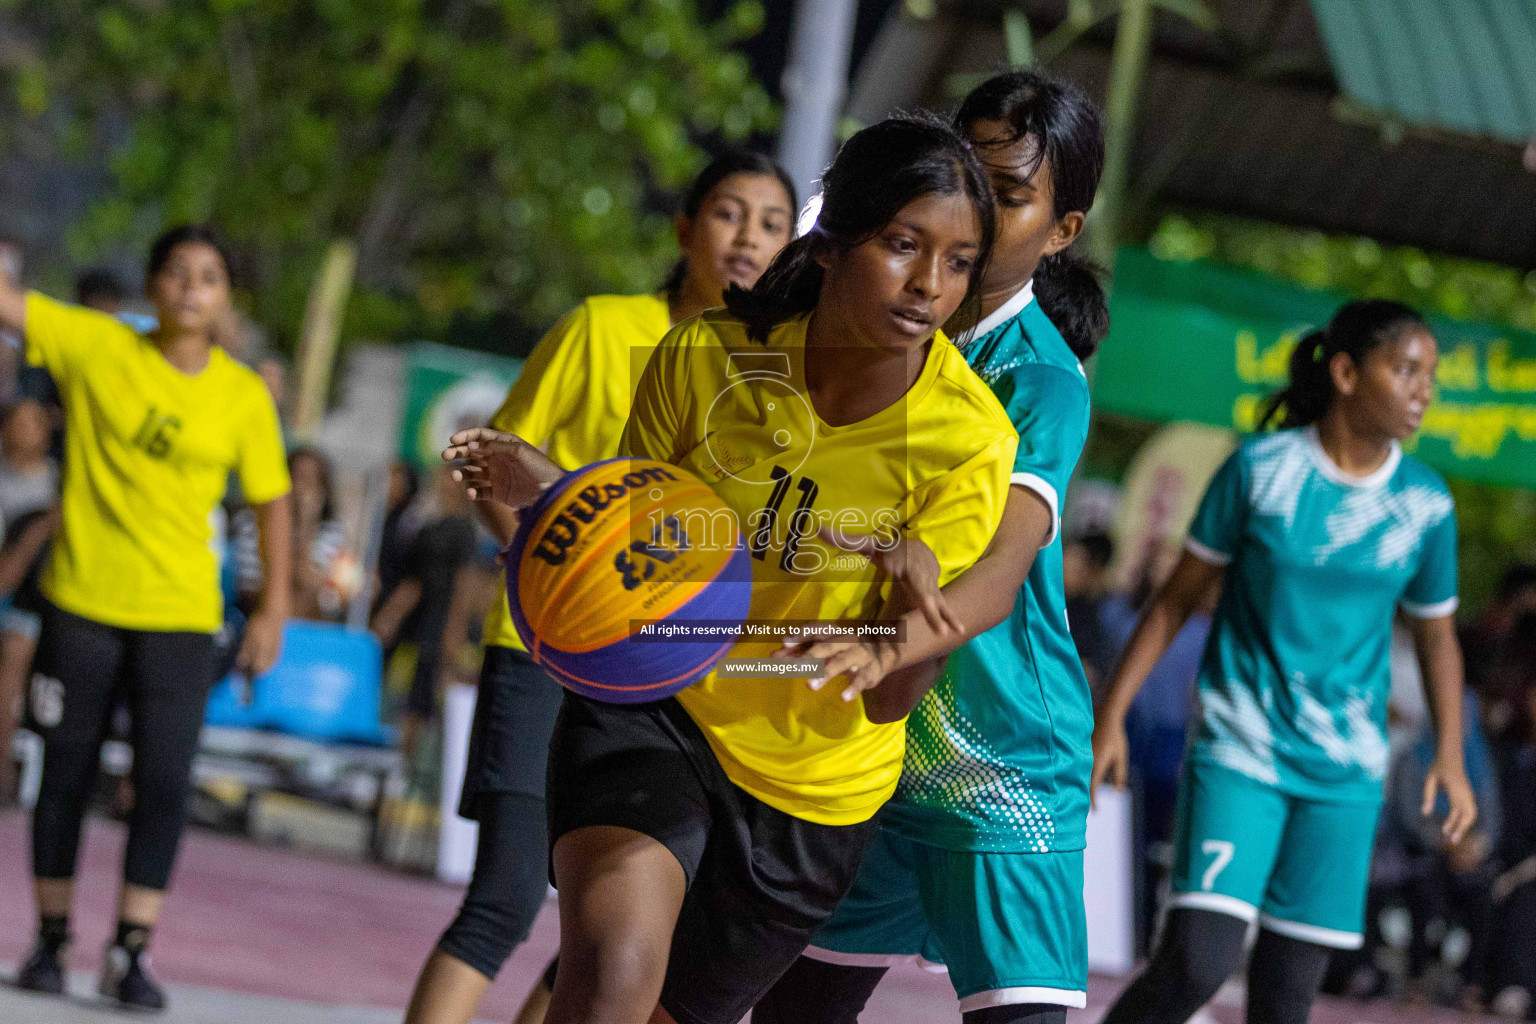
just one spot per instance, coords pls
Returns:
(1196, 341)
(447, 389)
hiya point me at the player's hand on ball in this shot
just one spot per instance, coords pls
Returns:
(1111, 754)
(500, 467)
(912, 566)
(1449, 774)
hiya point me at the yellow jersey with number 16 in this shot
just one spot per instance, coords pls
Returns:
(933, 466)
(573, 396)
(148, 453)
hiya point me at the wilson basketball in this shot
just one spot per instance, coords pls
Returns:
(625, 579)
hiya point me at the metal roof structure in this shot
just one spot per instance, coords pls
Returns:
(1465, 65)
(1390, 119)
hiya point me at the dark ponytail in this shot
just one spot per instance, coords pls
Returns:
(1068, 290)
(732, 161)
(1069, 135)
(1356, 328)
(877, 172)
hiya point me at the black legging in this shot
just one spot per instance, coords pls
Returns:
(81, 668)
(814, 992)
(507, 889)
(1199, 951)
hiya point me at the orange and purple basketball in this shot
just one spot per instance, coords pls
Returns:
(625, 579)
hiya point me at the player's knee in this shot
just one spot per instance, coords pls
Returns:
(618, 970)
(1199, 979)
(1200, 951)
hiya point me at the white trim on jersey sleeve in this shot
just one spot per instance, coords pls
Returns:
(1047, 493)
(1217, 903)
(1019, 995)
(1438, 610)
(1330, 937)
(1206, 553)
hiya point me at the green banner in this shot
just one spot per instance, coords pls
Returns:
(447, 389)
(1196, 341)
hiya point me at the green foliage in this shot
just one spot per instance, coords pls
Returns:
(487, 155)
(1498, 525)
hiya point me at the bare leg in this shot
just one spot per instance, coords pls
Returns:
(620, 894)
(16, 650)
(140, 905)
(54, 896)
(535, 1006)
(447, 991)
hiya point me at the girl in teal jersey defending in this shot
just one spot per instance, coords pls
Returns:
(1315, 534)
(979, 861)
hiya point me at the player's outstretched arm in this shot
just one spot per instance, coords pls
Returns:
(1440, 658)
(263, 641)
(1192, 579)
(13, 304)
(894, 675)
(500, 467)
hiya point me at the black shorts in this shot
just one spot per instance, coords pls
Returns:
(760, 881)
(515, 711)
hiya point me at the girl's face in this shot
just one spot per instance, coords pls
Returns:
(1027, 227)
(308, 480)
(896, 289)
(191, 292)
(1389, 390)
(740, 227)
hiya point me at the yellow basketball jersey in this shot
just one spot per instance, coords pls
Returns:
(574, 393)
(934, 465)
(148, 453)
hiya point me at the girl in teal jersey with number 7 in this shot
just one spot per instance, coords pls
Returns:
(1316, 534)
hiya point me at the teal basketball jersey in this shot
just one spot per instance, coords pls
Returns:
(998, 752)
(1293, 684)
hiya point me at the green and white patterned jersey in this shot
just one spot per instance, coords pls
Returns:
(999, 751)
(1294, 680)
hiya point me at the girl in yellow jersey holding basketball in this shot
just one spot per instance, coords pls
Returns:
(725, 823)
(571, 400)
(156, 423)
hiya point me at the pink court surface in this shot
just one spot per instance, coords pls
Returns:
(259, 935)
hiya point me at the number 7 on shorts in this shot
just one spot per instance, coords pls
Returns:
(1222, 849)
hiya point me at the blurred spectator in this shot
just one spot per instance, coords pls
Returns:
(29, 489)
(1156, 723)
(1085, 576)
(29, 479)
(418, 610)
(325, 569)
(101, 289)
(1512, 973)
(400, 525)
(1448, 888)
(274, 373)
(1483, 638)
(323, 564)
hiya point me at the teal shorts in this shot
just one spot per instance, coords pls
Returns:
(1299, 867)
(1010, 927)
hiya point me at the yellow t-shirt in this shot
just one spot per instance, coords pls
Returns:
(148, 453)
(934, 465)
(573, 395)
